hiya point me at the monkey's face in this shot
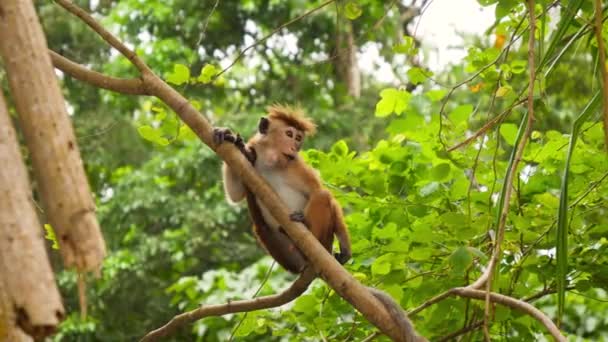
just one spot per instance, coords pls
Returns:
(289, 141)
(283, 142)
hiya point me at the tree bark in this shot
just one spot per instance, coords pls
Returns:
(346, 62)
(63, 185)
(29, 299)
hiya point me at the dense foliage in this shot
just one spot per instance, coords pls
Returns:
(422, 216)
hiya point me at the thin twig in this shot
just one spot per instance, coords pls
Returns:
(279, 28)
(296, 289)
(464, 330)
(603, 66)
(487, 275)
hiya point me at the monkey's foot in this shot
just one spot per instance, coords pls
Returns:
(298, 216)
(341, 257)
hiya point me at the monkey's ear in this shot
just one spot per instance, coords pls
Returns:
(263, 125)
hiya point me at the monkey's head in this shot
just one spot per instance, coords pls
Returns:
(282, 134)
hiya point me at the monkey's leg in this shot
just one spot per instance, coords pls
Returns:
(281, 249)
(318, 217)
(276, 243)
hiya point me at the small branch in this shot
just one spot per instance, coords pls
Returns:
(133, 86)
(514, 304)
(468, 328)
(429, 302)
(488, 125)
(509, 181)
(296, 289)
(279, 28)
(603, 66)
(106, 35)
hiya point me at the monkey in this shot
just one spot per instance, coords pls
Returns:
(274, 153)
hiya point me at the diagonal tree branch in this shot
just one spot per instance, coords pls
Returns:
(133, 86)
(323, 263)
(291, 293)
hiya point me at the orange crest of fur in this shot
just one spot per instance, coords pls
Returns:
(292, 116)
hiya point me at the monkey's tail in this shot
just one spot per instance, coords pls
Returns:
(399, 316)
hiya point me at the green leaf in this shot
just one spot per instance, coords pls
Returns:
(460, 260)
(305, 303)
(207, 73)
(435, 95)
(509, 132)
(50, 235)
(440, 171)
(352, 10)
(340, 148)
(417, 75)
(393, 100)
(382, 265)
(518, 66)
(408, 46)
(461, 113)
(180, 74)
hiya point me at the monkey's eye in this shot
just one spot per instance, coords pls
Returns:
(289, 134)
(298, 137)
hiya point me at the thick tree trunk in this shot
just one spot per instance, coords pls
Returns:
(9, 331)
(63, 186)
(28, 294)
(346, 62)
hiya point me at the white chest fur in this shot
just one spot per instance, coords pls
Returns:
(293, 199)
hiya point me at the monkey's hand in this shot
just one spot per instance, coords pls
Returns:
(298, 216)
(221, 135)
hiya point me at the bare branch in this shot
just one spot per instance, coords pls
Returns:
(291, 293)
(279, 28)
(514, 304)
(105, 34)
(132, 86)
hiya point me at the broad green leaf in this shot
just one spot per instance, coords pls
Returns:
(417, 75)
(148, 133)
(503, 91)
(382, 265)
(440, 172)
(509, 132)
(460, 260)
(461, 113)
(393, 100)
(435, 95)
(352, 10)
(305, 303)
(180, 74)
(207, 73)
(340, 148)
(408, 46)
(518, 66)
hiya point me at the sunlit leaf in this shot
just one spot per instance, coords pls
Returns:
(179, 75)
(352, 10)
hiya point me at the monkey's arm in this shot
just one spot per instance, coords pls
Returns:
(233, 186)
(341, 232)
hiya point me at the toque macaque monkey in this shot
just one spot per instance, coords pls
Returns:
(273, 152)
